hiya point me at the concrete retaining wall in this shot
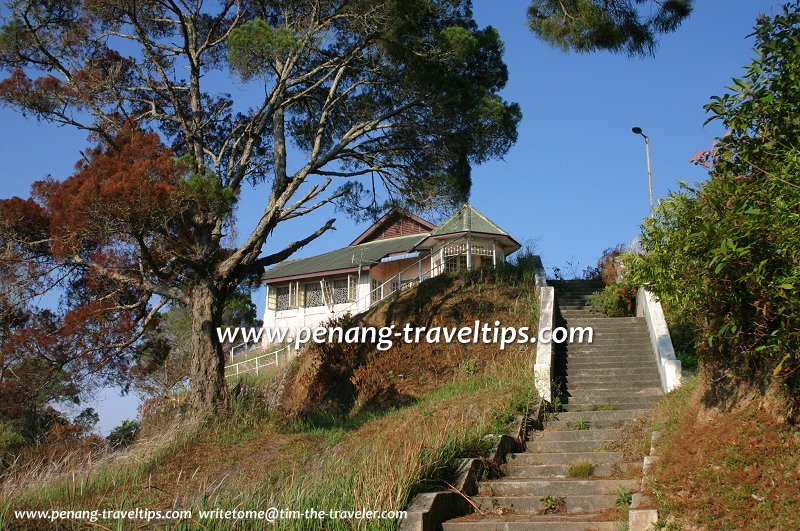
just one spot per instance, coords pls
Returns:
(669, 367)
(543, 366)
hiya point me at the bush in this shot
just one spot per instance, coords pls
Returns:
(123, 435)
(724, 254)
(618, 300)
(11, 442)
(610, 266)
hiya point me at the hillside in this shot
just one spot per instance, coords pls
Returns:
(393, 422)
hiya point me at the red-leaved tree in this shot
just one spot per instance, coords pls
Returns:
(400, 94)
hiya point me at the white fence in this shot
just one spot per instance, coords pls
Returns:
(261, 363)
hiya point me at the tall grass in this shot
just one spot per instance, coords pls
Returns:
(380, 462)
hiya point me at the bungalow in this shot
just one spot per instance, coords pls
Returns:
(398, 250)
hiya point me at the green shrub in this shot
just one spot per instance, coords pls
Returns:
(123, 435)
(617, 300)
(723, 255)
(11, 442)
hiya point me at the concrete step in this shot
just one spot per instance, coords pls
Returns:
(589, 445)
(575, 398)
(593, 416)
(619, 332)
(610, 372)
(608, 358)
(533, 504)
(614, 382)
(563, 458)
(584, 391)
(631, 390)
(522, 522)
(581, 318)
(578, 377)
(599, 324)
(607, 342)
(555, 487)
(564, 425)
(562, 471)
(598, 350)
(613, 364)
(575, 435)
(616, 406)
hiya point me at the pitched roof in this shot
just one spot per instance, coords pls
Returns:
(396, 222)
(343, 260)
(467, 218)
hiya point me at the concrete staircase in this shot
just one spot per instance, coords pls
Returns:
(602, 386)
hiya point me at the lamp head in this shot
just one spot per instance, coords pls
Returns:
(637, 130)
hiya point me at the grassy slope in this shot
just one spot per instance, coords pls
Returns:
(388, 446)
(738, 469)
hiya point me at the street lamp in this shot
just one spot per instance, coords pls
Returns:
(638, 131)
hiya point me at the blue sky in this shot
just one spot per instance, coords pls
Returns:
(574, 184)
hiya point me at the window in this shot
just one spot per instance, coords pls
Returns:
(283, 298)
(314, 295)
(377, 290)
(341, 291)
(455, 263)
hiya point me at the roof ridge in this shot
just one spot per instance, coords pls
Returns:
(486, 219)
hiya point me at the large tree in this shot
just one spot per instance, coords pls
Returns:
(628, 26)
(392, 95)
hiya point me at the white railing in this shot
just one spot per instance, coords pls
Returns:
(245, 346)
(397, 282)
(259, 363)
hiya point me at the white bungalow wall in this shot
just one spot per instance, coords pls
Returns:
(314, 316)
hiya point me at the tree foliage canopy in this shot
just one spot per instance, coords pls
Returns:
(629, 26)
(393, 99)
(725, 254)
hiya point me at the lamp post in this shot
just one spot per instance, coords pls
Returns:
(638, 131)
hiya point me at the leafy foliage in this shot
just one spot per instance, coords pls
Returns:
(724, 253)
(629, 26)
(123, 435)
(618, 299)
(163, 357)
(395, 100)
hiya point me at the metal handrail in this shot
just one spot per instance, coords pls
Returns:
(255, 362)
(399, 279)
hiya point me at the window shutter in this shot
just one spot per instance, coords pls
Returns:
(300, 295)
(272, 298)
(327, 291)
(352, 287)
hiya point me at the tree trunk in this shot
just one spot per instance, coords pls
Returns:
(207, 376)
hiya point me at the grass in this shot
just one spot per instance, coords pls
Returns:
(624, 497)
(377, 456)
(603, 407)
(582, 424)
(581, 469)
